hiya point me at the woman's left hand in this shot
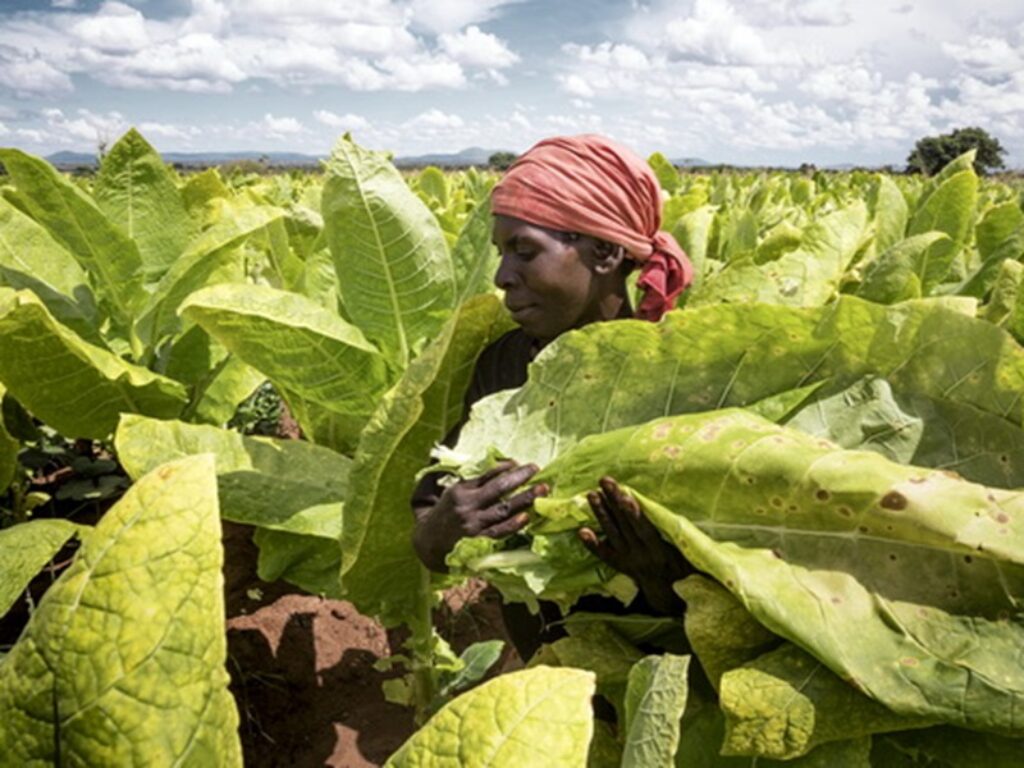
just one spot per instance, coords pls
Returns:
(632, 545)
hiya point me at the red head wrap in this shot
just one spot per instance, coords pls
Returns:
(591, 185)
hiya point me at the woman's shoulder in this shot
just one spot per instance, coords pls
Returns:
(502, 364)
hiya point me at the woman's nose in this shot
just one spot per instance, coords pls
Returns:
(506, 275)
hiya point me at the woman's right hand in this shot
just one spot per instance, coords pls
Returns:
(475, 507)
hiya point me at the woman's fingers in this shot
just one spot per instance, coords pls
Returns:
(635, 527)
(501, 483)
(497, 469)
(600, 548)
(505, 508)
(607, 519)
(507, 527)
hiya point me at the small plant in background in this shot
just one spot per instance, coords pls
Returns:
(260, 413)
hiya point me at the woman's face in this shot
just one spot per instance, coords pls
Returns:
(549, 279)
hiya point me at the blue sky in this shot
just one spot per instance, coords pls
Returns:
(758, 81)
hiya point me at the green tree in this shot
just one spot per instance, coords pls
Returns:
(500, 161)
(932, 153)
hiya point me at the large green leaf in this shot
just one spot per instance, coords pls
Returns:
(137, 192)
(807, 276)
(295, 343)
(1004, 295)
(77, 388)
(285, 485)
(693, 231)
(24, 549)
(919, 430)
(211, 258)
(910, 269)
(655, 700)
(946, 747)
(107, 254)
(597, 648)
(1000, 238)
(704, 728)
(217, 380)
(474, 256)
(380, 572)
(290, 490)
(890, 213)
(822, 545)
(534, 716)
(324, 426)
(614, 374)
(308, 562)
(31, 259)
(9, 448)
(949, 209)
(777, 242)
(786, 702)
(1000, 224)
(219, 394)
(395, 274)
(721, 631)
(123, 661)
(668, 176)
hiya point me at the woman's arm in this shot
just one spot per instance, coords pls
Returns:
(474, 507)
(632, 545)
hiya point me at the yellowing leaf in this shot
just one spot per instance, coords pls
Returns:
(123, 661)
(534, 717)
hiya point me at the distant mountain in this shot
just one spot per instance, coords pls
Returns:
(67, 159)
(690, 162)
(216, 158)
(471, 156)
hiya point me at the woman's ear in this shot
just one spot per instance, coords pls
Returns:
(608, 257)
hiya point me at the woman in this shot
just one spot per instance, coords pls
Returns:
(572, 218)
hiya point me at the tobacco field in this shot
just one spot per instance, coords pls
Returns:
(830, 428)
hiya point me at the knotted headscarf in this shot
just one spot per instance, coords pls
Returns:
(591, 185)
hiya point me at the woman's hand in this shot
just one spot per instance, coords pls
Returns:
(475, 507)
(632, 545)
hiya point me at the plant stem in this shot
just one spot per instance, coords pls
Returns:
(421, 647)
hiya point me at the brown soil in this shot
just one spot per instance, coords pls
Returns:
(302, 667)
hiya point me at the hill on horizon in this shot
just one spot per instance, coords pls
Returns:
(469, 156)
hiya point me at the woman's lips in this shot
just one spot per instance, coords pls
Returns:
(519, 310)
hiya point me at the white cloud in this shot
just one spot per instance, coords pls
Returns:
(346, 122)
(416, 73)
(116, 27)
(811, 13)
(716, 34)
(64, 3)
(85, 128)
(451, 15)
(577, 85)
(623, 71)
(32, 136)
(280, 126)
(28, 75)
(477, 49)
(219, 44)
(317, 11)
(434, 119)
(184, 134)
(989, 57)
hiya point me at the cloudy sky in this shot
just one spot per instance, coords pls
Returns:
(757, 81)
